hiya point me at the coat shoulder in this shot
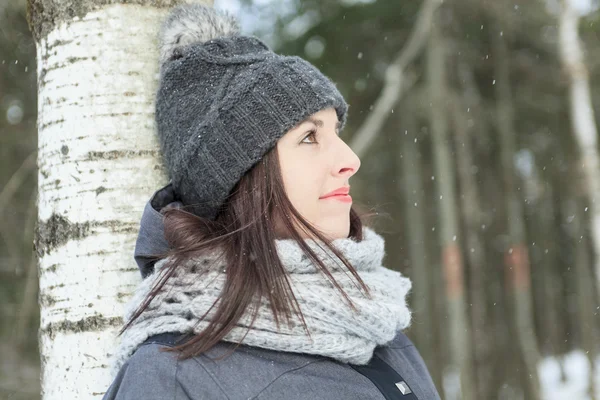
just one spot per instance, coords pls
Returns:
(152, 373)
(148, 373)
(400, 341)
(404, 357)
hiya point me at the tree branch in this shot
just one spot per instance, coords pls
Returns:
(395, 82)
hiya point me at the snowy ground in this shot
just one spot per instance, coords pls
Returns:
(574, 386)
(577, 368)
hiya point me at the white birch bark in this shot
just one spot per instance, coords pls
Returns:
(582, 115)
(99, 162)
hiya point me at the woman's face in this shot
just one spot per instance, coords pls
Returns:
(314, 161)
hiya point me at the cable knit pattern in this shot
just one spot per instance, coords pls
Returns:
(336, 330)
(224, 100)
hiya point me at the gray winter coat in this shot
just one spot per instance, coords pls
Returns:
(396, 370)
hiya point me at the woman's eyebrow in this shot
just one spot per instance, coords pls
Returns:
(315, 121)
(319, 123)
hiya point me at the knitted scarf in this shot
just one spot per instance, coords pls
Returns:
(336, 330)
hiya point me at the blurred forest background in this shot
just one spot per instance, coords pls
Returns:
(476, 172)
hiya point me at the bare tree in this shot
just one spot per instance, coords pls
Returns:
(585, 289)
(452, 261)
(582, 114)
(470, 207)
(517, 257)
(409, 165)
(98, 161)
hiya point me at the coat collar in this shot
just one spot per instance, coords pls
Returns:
(151, 239)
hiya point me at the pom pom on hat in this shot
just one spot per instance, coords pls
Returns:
(193, 23)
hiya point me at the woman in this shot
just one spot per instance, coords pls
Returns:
(260, 279)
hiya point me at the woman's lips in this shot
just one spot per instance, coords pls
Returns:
(345, 198)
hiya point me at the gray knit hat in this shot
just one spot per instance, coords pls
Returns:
(224, 100)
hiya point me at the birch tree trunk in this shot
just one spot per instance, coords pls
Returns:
(517, 257)
(582, 116)
(98, 164)
(452, 261)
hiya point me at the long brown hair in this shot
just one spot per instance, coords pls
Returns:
(245, 226)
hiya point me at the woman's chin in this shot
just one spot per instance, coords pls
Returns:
(339, 231)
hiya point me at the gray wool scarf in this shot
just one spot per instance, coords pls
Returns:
(336, 330)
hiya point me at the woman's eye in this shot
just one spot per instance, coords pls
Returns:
(313, 134)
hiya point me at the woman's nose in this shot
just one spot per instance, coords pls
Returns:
(349, 162)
